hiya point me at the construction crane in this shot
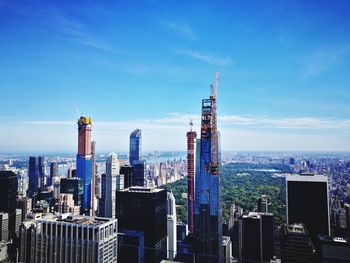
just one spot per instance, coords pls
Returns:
(190, 120)
(214, 87)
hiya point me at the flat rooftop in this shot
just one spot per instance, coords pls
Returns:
(334, 239)
(256, 215)
(76, 219)
(296, 228)
(142, 189)
(307, 177)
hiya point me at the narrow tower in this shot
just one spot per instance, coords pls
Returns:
(84, 160)
(93, 178)
(107, 202)
(191, 145)
(208, 225)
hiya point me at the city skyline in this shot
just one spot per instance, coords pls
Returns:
(283, 81)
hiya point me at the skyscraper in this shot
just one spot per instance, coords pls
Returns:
(208, 224)
(8, 194)
(333, 250)
(66, 204)
(36, 175)
(25, 204)
(131, 246)
(126, 170)
(84, 160)
(107, 203)
(262, 204)
(191, 150)
(53, 172)
(135, 153)
(68, 238)
(256, 237)
(296, 245)
(4, 226)
(139, 173)
(73, 186)
(144, 209)
(307, 202)
(93, 177)
(171, 225)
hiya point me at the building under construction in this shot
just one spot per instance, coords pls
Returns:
(208, 224)
(191, 145)
(84, 160)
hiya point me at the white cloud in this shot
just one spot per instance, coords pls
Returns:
(305, 123)
(180, 28)
(324, 59)
(206, 57)
(55, 21)
(169, 133)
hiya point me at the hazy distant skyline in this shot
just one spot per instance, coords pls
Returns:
(284, 73)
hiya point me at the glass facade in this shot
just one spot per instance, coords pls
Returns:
(308, 203)
(208, 224)
(84, 171)
(36, 175)
(135, 153)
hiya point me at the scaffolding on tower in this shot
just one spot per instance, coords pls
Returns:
(214, 142)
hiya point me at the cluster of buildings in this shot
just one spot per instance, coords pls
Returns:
(124, 215)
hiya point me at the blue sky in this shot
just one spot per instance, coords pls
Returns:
(284, 72)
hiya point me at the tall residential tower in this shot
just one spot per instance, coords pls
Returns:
(135, 155)
(135, 146)
(84, 160)
(191, 146)
(208, 225)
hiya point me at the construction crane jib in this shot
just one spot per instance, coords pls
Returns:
(214, 166)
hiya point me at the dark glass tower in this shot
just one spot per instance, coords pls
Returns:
(257, 240)
(8, 195)
(135, 155)
(36, 175)
(208, 223)
(296, 245)
(307, 203)
(135, 146)
(144, 209)
(126, 170)
(73, 186)
(139, 173)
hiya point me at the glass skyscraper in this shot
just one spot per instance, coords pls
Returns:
(207, 210)
(307, 202)
(135, 153)
(144, 209)
(36, 175)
